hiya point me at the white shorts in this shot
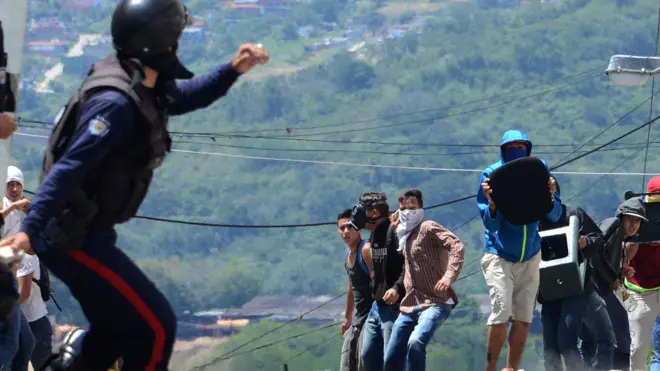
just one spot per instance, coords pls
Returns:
(513, 288)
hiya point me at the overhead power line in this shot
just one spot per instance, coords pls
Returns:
(406, 144)
(648, 137)
(222, 225)
(609, 127)
(399, 124)
(410, 113)
(373, 152)
(357, 164)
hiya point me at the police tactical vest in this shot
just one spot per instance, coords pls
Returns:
(113, 191)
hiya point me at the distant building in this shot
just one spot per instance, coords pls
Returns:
(46, 26)
(50, 48)
(491, 4)
(284, 308)
(82, 4)
(194, 34)
(244, 9)
(225, 322)
(207, 324)
(251, 8)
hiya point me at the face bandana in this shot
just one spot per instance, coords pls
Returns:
(514, 154)
(410, 219)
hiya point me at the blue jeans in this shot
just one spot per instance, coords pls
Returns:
(377, 330)
(16, 342)
(411, 334)
(562, 320)
(43, 347)
(619, 320)
(655, 346)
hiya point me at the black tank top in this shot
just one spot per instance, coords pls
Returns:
(359, 276)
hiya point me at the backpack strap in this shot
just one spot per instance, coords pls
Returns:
(360, 259)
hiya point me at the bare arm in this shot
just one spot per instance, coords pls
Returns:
(350, 301)
(25, 287)
(366, 255)
(631, 249)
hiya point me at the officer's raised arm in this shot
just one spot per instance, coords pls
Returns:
(106, 122)
(201, 91)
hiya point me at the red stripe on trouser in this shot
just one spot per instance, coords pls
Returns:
(132, 297)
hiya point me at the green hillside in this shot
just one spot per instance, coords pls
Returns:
(409, 95)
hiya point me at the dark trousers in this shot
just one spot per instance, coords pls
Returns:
(15, 354)
(619, 319)
(350, 350)
(128, 317)
(562, 320)
(16, 341)
(43, 342)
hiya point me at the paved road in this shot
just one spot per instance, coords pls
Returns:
(13, 14)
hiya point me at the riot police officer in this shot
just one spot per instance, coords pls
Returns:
(107, 141)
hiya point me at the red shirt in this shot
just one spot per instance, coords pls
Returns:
(647, 266)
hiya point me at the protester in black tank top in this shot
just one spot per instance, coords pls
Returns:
(358, 293)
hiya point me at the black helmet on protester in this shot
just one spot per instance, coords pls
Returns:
(149, 31)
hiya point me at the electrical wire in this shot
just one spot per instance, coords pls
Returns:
(648, 137)
(405, 123)
(410, 113)
(447, 203)
(636, 153)
(630, 132)
(372, 152)
(226, 357)
(480, 145)
(609, 127)
(333, 337)
(281, 326)
(356, 164)
(267, 345)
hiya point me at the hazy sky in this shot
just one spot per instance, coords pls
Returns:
(13, 14)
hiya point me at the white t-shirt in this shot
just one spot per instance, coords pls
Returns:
(34, 308)
(13, 221)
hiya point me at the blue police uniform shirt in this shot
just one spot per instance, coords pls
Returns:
(106, 121)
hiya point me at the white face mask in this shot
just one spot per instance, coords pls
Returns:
(410, 219)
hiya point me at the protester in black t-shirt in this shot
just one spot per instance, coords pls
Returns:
(358, 293)
(386, 282)
(563, 319)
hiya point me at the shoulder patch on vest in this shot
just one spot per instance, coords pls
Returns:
(98, 126)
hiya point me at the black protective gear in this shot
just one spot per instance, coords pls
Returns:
(149, 31)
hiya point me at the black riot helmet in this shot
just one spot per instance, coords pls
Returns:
(149, 31)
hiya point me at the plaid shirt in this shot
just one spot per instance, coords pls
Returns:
(432, 253)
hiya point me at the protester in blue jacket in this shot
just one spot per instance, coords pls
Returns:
(511, 261)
